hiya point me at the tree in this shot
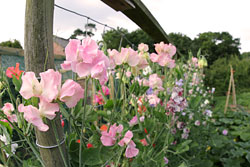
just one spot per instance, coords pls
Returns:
(112, 38)
(245, 55)
(182, 42)
(88, 31)
(216, 45)
(13, 44)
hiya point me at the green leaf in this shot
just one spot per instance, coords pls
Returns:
(109, 104)
(183, 164)
(183, 147)
(91, 156)
(102, 113)
(17, 83)
(248, 157)
(7, 126)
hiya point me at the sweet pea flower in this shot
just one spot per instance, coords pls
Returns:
(131, 151)
(133, 121)
(86, 60)
(164, 55)
(70, 93)
(47, 89)
(109, 138)
(35, 116)
(143, 47)
(114, 58)
(105, 90)
(144, 142)
(14, 71)
(128, 74)
(225, 132)
(155, 82)
(8, 108)
(153, 100)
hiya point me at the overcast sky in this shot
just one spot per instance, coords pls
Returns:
(189, 17)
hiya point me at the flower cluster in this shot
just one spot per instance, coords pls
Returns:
(86, 59)
(177, 102)
(164, 55)
(109, 138)
(48, 90)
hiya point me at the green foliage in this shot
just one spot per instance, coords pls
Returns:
(13, 44)
(218, 75)
(216, 45)
(113, 38)
(182, 42)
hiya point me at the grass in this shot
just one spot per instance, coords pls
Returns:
(243, 101)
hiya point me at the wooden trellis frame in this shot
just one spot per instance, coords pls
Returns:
(231, 85)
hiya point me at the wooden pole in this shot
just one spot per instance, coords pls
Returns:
(228, 92)
(38, 55)
(233, 87)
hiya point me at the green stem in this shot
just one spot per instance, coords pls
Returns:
(119, 157)
(58, 143)
(83, 120)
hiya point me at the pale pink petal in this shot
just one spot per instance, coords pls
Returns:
(107, 140)
(133, 121)
(12, 118)
(30, 86)
(131, 151)
(154, 57)
(133, 58)
(48, 109)
(127, 138)
(8, 108)
(66, 65)
(71, 49)
(90, 47)
(71, 93)
(112, 54)
(143, 47)
(51, 83)
(99, 72)
(32, 115)
(83, 69)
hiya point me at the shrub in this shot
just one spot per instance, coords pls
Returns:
(218, 75)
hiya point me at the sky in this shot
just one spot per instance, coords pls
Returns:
(189, 17)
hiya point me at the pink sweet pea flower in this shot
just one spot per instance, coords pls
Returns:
(114, 58)
(109, 138)
(105, 90)
(30, 86)
(48, 109)
(131, 151)
(133, 121)
(153, 100)
(35, 116)
(32, 115)
(8, 108)
(128, 55)
(47, 89)
(155, 82)
(71, 93)
(143, 47)
(164, 54)
(85, 59)
(127, 138)
(51, 84)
